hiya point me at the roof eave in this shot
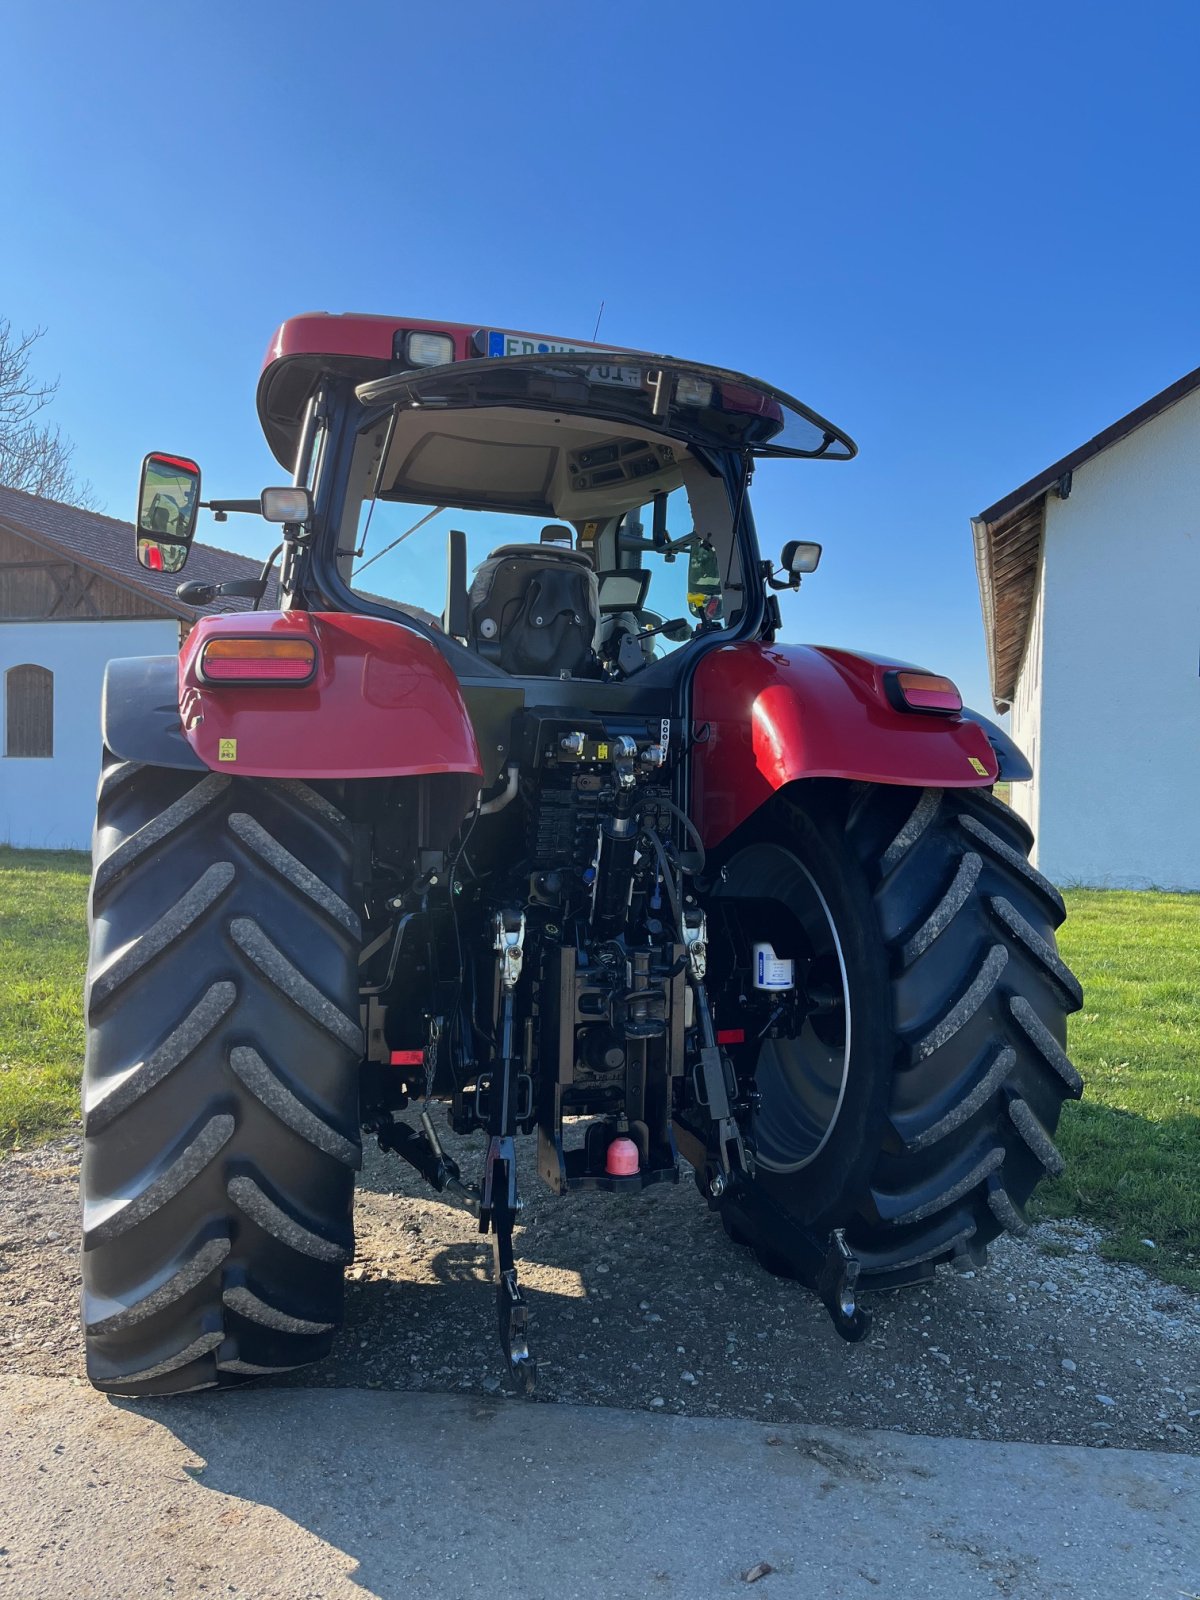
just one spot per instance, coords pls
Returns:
(987, 603)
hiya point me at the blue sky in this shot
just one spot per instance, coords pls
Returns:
(969, 234)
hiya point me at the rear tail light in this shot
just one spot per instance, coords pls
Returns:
(261, 660)
(923, 691)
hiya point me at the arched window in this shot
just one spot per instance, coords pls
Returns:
(29, 711)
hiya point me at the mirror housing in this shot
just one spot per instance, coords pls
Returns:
(800, 556)
(168, 505)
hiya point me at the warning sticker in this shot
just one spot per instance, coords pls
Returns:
(226, 749)
(978, 765)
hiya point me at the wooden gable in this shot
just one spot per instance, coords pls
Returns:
(38, 586)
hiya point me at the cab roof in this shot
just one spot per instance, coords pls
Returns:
(368, 349)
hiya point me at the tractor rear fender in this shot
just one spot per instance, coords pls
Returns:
(767, 715)
(381, 702)
(139, 712)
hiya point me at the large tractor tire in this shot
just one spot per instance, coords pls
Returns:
(916, 1105)
(220, 1092)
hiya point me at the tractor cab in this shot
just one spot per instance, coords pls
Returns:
(546, 510)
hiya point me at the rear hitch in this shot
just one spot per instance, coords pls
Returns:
(837, 1289)
(829, 1268)
(424, 1152)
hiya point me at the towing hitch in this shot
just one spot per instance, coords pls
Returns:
(828, 1267)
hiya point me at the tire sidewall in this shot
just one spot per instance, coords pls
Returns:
(826, 1193)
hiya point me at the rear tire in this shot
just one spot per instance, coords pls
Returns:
(957, 1013)
(221, 1079)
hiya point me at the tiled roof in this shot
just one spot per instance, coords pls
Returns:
(107, 546)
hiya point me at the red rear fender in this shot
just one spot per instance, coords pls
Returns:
(778, 713)
(382, 703)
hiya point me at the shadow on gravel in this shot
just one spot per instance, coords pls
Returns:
(645, 1303)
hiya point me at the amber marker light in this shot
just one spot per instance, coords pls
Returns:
(261, 660)
(923, 691)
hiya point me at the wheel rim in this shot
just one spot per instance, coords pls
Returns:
(800, 1078)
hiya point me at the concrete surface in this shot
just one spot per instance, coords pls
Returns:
(318, 1495)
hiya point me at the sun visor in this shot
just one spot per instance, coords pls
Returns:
(708, 407)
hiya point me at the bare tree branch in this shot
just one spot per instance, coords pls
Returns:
(33, 456)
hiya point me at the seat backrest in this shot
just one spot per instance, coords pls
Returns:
(535, 610)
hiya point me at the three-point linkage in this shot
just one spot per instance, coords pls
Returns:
(499, 1202)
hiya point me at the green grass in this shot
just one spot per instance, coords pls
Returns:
(43, 951)
(1132, 1145)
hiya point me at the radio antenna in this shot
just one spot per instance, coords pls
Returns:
(596, 329)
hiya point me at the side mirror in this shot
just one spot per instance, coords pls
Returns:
(704, 583)
(799, 557)
(168, 504)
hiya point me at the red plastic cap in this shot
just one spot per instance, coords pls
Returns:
(622, 1160)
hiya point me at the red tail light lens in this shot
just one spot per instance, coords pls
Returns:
(261, 660)
(923, 691)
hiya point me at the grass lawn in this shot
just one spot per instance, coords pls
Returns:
(1132, 1145)
(43, 951)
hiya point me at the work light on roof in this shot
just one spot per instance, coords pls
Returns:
(429, 349)
(691, 391)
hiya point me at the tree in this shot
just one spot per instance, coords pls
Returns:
(34, 456)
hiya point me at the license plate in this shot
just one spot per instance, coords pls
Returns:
(517, 344)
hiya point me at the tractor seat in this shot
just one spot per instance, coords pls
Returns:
(534, 609)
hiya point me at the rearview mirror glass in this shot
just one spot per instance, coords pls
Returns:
(800, 556)
(704, 582)
(158, 557)
(168, 504)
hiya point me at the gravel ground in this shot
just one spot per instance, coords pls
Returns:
(644, 1303)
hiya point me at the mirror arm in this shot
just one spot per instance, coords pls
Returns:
(671, 622)
(222, 508)
(791, 581)
(633, 541)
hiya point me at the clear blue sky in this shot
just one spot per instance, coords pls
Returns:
(969, 234)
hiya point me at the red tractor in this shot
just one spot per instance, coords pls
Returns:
(561, 839)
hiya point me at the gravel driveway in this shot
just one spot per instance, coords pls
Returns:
(644, 1303)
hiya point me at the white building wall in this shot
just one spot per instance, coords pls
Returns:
(1025, 719)
(51, 803)
(1119, 736)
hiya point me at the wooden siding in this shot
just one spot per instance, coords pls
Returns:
(36, 586)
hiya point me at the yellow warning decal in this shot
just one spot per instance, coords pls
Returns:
(601, 752)
(226, 749)
(978, 765)
(589, 532)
